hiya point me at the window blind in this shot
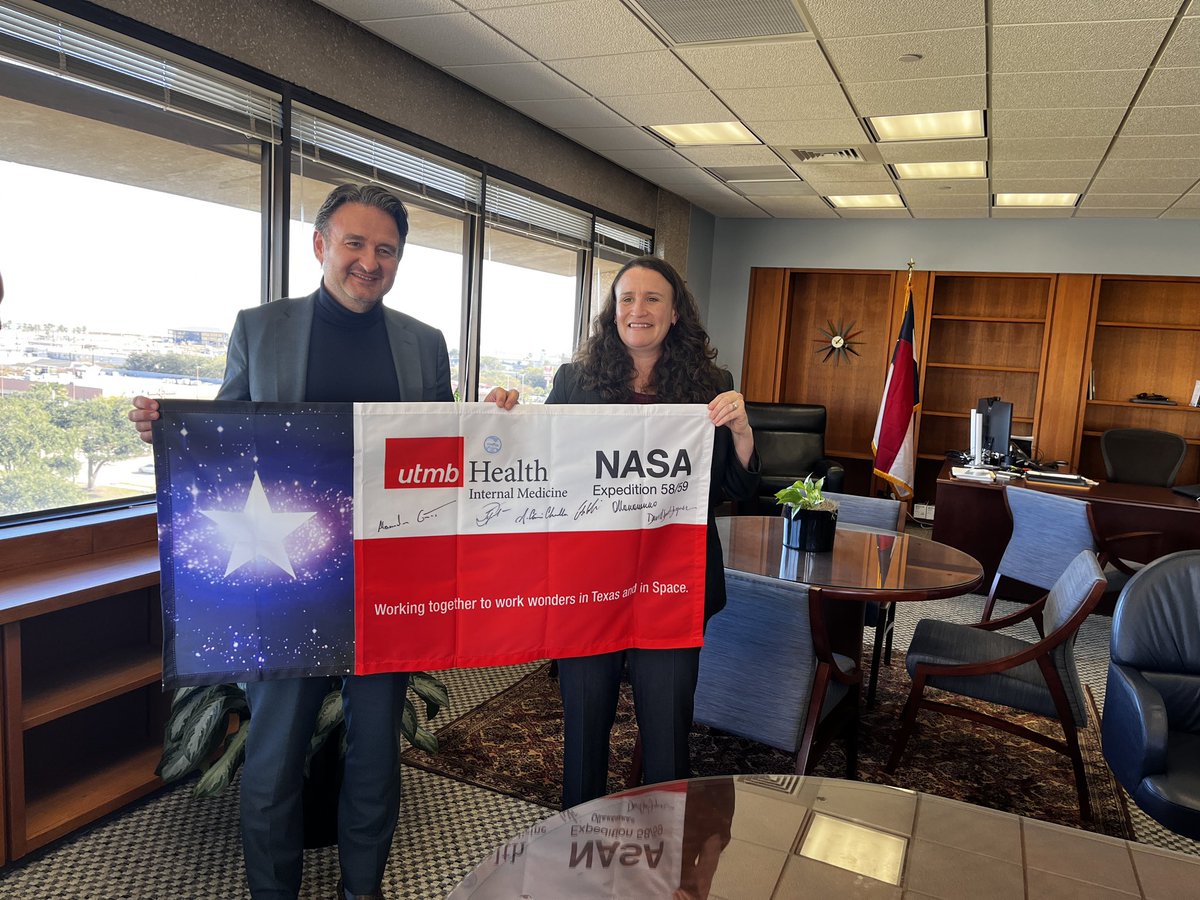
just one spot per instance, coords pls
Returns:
(70, 51)
(518, 210)
(625, 240)
(369, 156)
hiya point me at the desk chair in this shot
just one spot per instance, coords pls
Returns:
(874, 512)
(1142, 455)
(767, 672)
(976, 661)
(1151, 723)
(1048, 532)
(790, 440)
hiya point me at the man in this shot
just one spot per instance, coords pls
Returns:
(339, 344)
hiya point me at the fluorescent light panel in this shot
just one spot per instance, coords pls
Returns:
(1035, 200)
(705, 133)
(973, 169)
(866, 201)
(966, 123)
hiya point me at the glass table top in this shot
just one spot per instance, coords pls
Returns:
(863, 559)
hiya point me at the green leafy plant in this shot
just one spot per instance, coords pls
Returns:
(208, 725)
(805, 494)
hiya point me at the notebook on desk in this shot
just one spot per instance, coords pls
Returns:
(1062, 479)
(1188, 490)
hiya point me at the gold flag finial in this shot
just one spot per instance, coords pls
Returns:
(911, 263)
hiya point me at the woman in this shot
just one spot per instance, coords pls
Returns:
(647, 346)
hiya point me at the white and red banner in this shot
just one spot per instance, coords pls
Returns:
(304, 539)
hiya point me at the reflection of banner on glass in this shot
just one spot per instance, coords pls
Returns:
(469, 536)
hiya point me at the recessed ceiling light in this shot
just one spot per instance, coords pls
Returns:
(1035, 200)
(865, 201)
(705, 133)
(941, 170)
(967, 123)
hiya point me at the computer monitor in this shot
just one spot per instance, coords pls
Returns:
(995, 430)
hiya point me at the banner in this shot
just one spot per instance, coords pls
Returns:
(314, 539)
(893, 446)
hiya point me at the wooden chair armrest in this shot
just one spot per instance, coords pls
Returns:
(1032, 611)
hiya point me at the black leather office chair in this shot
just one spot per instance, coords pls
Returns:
(790, 440)
(1142, 455)
(1151, 723)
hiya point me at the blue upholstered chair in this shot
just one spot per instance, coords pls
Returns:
(975, 661)
(1151, 726)
(1048, 531)
(764, 677)
(874, 512)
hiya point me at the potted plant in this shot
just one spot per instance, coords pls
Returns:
(207, 727)
(809, 517)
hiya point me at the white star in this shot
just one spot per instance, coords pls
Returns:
(257, 531)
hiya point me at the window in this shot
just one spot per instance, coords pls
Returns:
(131, 237)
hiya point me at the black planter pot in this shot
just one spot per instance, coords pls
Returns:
(810, 530)
(321, 788)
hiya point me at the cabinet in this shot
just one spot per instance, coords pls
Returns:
(82, 667)
(1145, 338)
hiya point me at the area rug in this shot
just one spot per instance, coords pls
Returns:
(512, 744)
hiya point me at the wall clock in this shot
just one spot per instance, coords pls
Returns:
(838, 342)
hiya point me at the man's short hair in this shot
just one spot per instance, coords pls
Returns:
(368, 195)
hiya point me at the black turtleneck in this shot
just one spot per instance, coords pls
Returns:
(349, 356)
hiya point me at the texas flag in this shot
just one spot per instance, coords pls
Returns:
(893, 444)
(312, 539)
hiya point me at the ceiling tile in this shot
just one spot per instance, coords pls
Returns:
(836, 18)
(1097, 212)
(1029, 123)
(853, 187)
(758, 64)
(1049, 148)
(751, 173)
(583, 112)
(684, 178)
(629, 137)
(733, 207)
(796, 207)
(814, 133)
(358, 10)
(921, 212)
(1159, 147)
(517, 81)
(1164, 119)
(1061, 168)
(874, 214)
(930, 189)
(757, 189)
(904, 98)
(947, 54)
(653, 72)
(934, 151)
(1127, 201)
(812, 101)
(1065, 90)
(1018, 12)
(1190, 200)
(1002, 212)
(1171, 87)
(1176, 212)
(948, 201)
(1075, 47)
(1150, 168)
(671, 109)
(840, 172)
(1040, 185)
(1184, 49)
(575, 28)
(450, 40)
(663, 158)
(495, 4)
(1152, 185)
(731, 156)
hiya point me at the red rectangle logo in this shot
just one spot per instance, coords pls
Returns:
(423, 462)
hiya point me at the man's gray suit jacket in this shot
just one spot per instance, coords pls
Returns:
(268, 354)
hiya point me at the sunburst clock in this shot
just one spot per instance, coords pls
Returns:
(838, 342)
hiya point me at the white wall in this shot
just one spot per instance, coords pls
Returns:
(1113, 246)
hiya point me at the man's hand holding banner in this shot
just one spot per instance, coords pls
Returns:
(309, 539)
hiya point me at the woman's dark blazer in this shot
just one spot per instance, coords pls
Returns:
(730, 480)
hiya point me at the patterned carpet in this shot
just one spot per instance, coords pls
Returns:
(513, 745)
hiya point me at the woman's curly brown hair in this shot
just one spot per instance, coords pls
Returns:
(685, 373)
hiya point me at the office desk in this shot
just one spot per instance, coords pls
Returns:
(770, 837)
(972, 516)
